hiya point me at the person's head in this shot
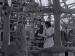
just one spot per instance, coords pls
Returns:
(48, 24)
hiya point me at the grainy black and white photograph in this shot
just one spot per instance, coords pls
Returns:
(37, 27)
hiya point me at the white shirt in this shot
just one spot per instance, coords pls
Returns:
(49, 31)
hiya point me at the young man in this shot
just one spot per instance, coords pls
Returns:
(39, 31)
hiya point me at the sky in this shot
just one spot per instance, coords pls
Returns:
(45, 2)
(70, 1)
(9, 2)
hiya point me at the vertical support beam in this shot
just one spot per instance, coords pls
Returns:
(40, 2)
(0, 27)
(5, 34)
(6, 27)
(57, 37)
(57, 13)
(9, 42)
(0, 39)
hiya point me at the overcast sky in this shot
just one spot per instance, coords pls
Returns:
(45, 2)
(70, 1)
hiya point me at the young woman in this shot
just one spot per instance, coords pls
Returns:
(48, 33)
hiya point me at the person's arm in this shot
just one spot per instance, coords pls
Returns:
(43, 34)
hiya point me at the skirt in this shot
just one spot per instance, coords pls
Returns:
(49, 42)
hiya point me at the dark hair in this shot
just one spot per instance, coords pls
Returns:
(48, 24)
(39, 19)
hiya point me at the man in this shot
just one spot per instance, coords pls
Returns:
(40, 31)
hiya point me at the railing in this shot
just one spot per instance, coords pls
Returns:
(53, 50)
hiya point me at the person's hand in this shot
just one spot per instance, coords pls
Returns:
(39, 34)
(42, 35)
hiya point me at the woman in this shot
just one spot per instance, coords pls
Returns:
(48, 33)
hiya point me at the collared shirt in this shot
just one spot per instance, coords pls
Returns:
(49, 31)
